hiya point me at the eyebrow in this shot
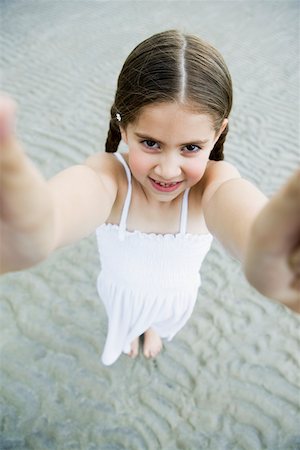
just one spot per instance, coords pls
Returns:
(196, 141)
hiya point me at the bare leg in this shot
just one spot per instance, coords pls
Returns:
(152, 344)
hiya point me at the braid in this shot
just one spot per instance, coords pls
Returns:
(217, 153)
(114, 135)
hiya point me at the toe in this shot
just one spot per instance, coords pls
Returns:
(147, 353)
(134, 351)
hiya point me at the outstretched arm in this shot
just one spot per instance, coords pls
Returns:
(38, 216)
(264, 235)
(272, 262)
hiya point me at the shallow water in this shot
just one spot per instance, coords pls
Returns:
(230, 379)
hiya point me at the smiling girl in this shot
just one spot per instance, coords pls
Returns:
(157, 207)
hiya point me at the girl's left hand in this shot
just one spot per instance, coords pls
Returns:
(272, 263)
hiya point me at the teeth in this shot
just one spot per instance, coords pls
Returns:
(166, 184)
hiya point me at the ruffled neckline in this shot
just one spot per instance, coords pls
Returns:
(168, 236)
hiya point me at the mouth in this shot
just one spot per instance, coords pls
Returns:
(165, 187)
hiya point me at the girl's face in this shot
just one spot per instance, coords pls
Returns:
(169, 147)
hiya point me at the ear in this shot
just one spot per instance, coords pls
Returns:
(124, 135)
(223, 126)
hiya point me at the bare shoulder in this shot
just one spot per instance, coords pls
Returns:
(103, 163)
(220, 171)
(217, 173)
(230, 205)
(107, 167)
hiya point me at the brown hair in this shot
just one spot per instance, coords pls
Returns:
(172, 67)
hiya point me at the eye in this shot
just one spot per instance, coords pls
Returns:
(191, 148)
(150, 144)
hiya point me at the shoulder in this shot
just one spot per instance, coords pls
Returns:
(217, 173)
(108, 168)
(103, 162)
(109, 171)
(230, 205)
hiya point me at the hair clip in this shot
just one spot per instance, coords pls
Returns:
(118, 116)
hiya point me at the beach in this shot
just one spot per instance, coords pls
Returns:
(230, 379)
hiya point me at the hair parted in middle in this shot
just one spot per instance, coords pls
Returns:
(172, 67)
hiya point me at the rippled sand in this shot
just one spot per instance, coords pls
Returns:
(230, 379)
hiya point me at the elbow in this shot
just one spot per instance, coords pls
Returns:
(19, 265)
(294, 306)
(18, 260)
(254, 277)
(27, 248)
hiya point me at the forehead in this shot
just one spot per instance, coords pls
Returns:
(169, 120)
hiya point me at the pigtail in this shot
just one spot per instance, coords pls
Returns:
(114, 135)
(217, 153)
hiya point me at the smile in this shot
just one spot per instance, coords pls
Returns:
(165, 187)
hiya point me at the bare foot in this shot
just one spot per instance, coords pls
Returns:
(152, 344)
(134, 348)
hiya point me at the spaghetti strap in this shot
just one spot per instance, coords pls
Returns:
(125, 210)
(184, 212)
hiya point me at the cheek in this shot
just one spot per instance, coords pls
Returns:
(195, 170)
(139, 164)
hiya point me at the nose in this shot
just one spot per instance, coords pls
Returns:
(168, 168)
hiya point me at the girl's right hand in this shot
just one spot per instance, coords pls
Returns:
(26, 210)
(38, 216)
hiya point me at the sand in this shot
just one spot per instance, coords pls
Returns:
(230, 378)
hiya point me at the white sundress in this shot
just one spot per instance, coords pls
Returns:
(147, 280)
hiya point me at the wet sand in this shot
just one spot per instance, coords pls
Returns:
(230, 379)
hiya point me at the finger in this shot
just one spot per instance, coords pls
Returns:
(284, 215)
(296, 284)
(294, 261)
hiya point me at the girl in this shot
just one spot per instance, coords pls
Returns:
(155, 208)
